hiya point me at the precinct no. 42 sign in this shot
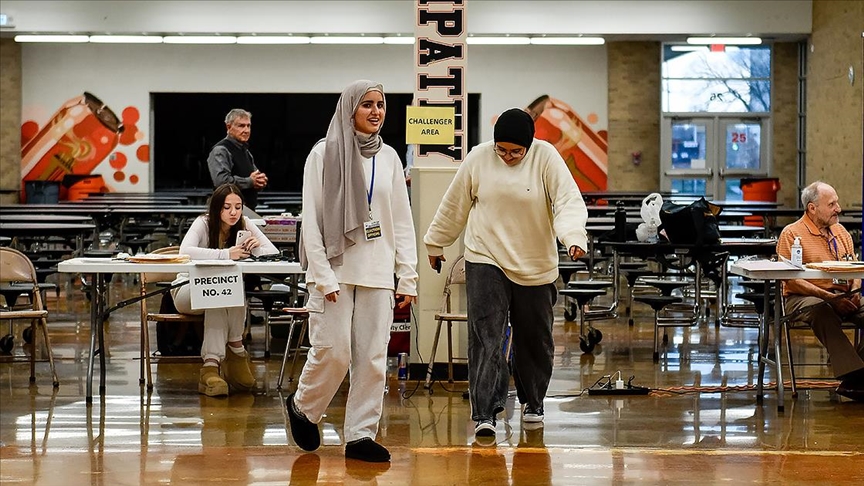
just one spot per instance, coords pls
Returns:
(216, 286)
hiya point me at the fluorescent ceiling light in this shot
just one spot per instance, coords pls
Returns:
(199, 39)
(568, 41)
(52, 38)
(750, 41)
(399, 40)
(126, 39)
(499, 41)
(688, 48)
(273, 39)
(337, 39)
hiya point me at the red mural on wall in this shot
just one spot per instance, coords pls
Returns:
(81, 135)
(584, 150)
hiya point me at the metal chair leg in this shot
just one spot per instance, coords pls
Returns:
(432, 356)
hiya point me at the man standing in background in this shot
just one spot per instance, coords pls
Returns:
(231, 162)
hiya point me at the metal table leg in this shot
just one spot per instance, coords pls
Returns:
(777, 361)
(94, 312)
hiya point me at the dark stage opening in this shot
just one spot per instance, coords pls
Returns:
(285, 127)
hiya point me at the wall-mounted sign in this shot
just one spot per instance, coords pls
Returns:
(430, 125)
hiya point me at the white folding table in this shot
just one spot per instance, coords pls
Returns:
(98, 267)
(779, 271)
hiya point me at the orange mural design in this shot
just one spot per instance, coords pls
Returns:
(584, 150)
(74, 141)
(81, 135)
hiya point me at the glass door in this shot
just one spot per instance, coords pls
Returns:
(710, 155)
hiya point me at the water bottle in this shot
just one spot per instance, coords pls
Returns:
(620, 222)
(797, 252)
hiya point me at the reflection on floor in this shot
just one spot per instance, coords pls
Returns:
(172, 434)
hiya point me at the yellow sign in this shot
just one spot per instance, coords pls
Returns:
(430, 125)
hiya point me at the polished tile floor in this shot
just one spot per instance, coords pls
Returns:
(685, 432)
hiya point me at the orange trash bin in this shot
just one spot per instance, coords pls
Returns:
(759, 189)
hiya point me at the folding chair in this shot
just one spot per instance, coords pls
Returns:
(147, 317)
(16, 268)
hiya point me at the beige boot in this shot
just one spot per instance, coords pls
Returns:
(235, 370)
(210, 383)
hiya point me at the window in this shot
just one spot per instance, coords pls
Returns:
(735, 79)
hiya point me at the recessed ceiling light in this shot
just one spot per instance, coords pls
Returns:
(344, 39)
(199, 39)
(52, 38)
(399, 40)
(724, 40)
(499, 41)
(273, 39)
(568, 41)
(126, 39)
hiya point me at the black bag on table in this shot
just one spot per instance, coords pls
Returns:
(177, 338)
(694, 224)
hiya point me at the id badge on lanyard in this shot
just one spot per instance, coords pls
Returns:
(371, 228)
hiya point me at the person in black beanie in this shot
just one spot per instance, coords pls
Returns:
(511, 263)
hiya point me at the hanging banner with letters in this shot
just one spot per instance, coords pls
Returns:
(441, 61)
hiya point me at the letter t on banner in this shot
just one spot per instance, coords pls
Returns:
(441, 63)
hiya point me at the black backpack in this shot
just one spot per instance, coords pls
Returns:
(693, 224)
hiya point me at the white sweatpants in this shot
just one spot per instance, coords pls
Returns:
(220, 325)
(350, 335)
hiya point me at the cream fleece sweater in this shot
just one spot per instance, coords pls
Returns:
(367, 263)
(511, 215)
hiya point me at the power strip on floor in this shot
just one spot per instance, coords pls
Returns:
(606, 386)
(632, 390)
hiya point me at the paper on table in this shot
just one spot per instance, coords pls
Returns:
(790, 262)
(214, 263)
(767, 265)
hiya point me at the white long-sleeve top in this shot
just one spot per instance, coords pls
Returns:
(195, 243)
(511, 215)
(367, 263)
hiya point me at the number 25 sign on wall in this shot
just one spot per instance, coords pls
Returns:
(739, 137)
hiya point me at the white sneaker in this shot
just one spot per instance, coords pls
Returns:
(532, 415)
(485, 428)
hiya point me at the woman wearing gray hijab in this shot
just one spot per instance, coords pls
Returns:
(357, 233)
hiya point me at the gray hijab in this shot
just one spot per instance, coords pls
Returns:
(346, 207)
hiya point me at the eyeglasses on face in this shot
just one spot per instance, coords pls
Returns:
(501, 151)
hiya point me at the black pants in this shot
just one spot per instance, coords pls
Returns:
(492, 298)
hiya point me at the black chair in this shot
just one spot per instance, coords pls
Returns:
(658, 303)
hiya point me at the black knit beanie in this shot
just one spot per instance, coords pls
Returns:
(515, 126)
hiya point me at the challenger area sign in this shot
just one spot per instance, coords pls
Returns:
(430, 125)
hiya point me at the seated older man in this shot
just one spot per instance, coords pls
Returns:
(823, 239)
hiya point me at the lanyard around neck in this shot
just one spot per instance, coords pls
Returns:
(371, 185)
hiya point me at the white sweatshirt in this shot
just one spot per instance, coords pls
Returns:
(511, 215)
(195, 243)
(367, 263)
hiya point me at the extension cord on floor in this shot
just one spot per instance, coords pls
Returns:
(633, 390)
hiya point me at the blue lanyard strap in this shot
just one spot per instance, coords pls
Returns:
(832, 244)
(371, 185)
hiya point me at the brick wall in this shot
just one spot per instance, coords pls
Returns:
(634, 115)
(835, 107)
(10, 121)
(784, 108)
